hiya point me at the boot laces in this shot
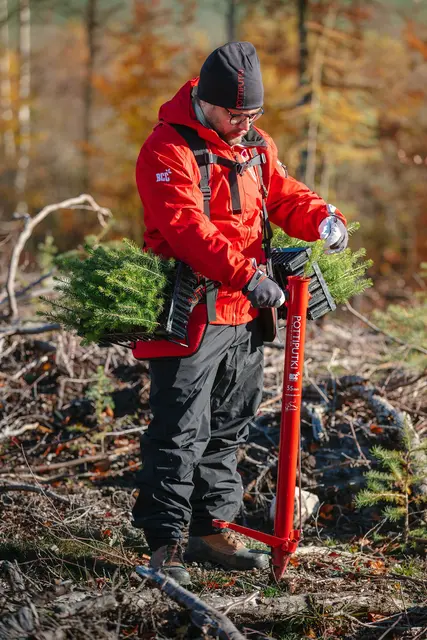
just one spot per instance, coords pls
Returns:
(173, 554)
(232, 537)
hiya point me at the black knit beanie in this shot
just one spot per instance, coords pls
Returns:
(231, 77)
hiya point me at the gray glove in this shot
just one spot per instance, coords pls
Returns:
(262, 291)
(333, 231)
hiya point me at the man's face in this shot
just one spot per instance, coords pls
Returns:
(219, 119)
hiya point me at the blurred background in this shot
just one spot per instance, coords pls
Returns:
(81, 82)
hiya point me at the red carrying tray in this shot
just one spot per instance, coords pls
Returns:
(155, 349)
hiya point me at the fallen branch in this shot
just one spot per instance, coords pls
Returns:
(21, 624)
(33, 489)
(13, 574)
(85, 201)
(29, 286)
(385, 413)
(86, 606)
(385, 333)
(203, 615)
(76, 462)
(31, 426)
(350, 603)
(31, 329)
(30, 365)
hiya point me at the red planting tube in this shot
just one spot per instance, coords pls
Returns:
(285, 539)
(297, 304)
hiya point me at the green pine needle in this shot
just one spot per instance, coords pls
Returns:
(344, 272)
(110, 290)
(120, 289)
(394, 486)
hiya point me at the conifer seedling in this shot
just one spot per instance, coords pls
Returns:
(123, 289)
(392, 487)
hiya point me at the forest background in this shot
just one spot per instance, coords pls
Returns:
(81, 83)
(345, 83)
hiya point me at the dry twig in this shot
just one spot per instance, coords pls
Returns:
(203, 615)
(84, 201)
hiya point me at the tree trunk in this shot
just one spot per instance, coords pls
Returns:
(5, 85)
(91, 11)
(231, 20)
(325, 178)
(302, 7)
(316, 89)
(24, 114)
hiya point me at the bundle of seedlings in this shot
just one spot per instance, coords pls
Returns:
(123, 292)
(344, 272)
(112, 291)
(334, 278)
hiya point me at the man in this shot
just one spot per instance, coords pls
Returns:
(214, 222)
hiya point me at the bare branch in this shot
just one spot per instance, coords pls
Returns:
(29, 286)
(33, 489)
(203, 615)
(32, 329)
(385, 333)
(30, 224)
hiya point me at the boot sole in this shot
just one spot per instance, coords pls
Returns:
(185, 580)
(242, 564)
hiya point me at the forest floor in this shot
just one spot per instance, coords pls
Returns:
(70, 419)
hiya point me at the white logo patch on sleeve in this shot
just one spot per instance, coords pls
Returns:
(164, 177)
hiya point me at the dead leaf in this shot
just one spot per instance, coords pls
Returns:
(377, 566)
(326, 512)
(374, 428)
(60, 448)
(375, 617)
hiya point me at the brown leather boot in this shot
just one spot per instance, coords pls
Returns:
(225, 549)
(168, 559)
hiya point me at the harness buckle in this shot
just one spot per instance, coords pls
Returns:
(204, 157)
(240, 168)
(206, 192)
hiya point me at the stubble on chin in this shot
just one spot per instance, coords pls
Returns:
(234, 140)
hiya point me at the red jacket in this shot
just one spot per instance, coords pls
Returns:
(221, 248)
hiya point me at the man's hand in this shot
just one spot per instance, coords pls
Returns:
(262, 291)
(333, 231)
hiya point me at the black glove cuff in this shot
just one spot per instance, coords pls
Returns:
(258, 276)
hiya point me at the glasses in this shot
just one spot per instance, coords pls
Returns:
(239, 118)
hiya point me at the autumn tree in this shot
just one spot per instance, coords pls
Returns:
(155, 56)
(356, 77)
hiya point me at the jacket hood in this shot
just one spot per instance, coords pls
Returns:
(179, 110)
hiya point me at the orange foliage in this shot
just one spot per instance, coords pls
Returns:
(371, 128)
(150, 67)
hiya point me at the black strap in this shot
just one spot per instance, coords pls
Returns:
(198, 147)
(205, 159)
(202, 155)
(267, 231)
